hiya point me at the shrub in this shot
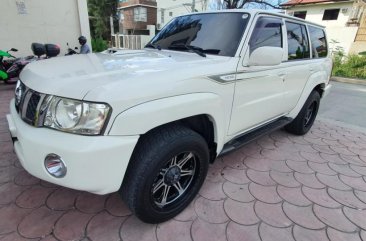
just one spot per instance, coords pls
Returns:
(351, 66)
(99, 45)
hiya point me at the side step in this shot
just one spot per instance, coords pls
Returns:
(254, 134)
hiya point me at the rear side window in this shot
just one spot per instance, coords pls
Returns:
(297, 40)
(267, 32)
(318, 42)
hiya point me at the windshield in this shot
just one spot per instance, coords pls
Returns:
(211, 33)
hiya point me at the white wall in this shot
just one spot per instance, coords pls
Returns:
(336, 29)
(176, 8)
(45, 21)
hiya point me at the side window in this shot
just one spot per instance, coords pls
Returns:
(318, 42)
(297, 41)
(267, 32)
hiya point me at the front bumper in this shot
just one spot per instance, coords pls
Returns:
(95, 164)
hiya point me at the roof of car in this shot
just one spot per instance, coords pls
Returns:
(254, 12)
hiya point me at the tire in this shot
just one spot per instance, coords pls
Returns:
(305, 119)
(152, 172)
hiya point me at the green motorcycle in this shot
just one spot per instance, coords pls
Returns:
(7, 70)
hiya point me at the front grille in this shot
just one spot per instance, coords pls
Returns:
(29, 105)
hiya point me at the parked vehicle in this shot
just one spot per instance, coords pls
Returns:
(71, 51)
(7, 68)
(147, 123)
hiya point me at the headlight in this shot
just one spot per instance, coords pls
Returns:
(75, 116)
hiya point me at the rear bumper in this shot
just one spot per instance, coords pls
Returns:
(95, 164)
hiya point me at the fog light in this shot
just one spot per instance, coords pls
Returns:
(55, 166)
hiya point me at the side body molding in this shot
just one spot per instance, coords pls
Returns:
(141, 118)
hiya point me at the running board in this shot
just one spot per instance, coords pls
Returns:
(254, 134)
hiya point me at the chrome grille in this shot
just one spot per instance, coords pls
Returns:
(29, 106)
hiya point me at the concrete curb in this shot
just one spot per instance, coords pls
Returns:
(348, 80)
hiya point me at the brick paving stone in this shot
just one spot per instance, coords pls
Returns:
(133, 229)
(337, 143)
(10, 216)
(181, 231)
(49, 238)
(201, 230)
(357, 151)
(9, 192)
(49, 185)
(97, 227)
(320, 197)
(293, 196)
(90, 203)
(258, 164)
(116, 207)
(302, 216)
(72, 225)
(8, 173)
(334, 218)
(360, 195)
(303, 234)
(359, 169)
(269, 233)
(315, 140)
(363, 235)
(33, 197)
(15, 237)
(356, 216)
(212, 190)
(62, 199)
(344, 170)
(355, 160)
(346, 198)
(301, 167)
(363, 158)
(286, 179)
(280, 166)
(277, 155)
(266, 142)
(23, 178)
(308, 180)
(210, 211)
(335, 235)
(237, 176)
(280, 136)
(314, 157)
(333, 158)
(272, 214)
(238, 192)
(261, 178)
(333, 182)
(322, 168)
(39, 223)
(267, 194)
(343, 150)
(354, 182)
(324, 149)
(242, 213)
(234, 160)
(215, 175)
(236, 232)
(188, 214)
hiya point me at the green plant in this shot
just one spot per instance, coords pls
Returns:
(351, 66)
(99, 45)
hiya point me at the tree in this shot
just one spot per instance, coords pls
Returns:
(262, 4)
(99, 15)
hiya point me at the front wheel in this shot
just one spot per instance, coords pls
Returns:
(165, 173)
(305, 119)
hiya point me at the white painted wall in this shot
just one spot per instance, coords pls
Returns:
(45, 21)
(176, 8)
(336, 29)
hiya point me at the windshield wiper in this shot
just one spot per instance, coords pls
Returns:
(150, 45)
(194, 49)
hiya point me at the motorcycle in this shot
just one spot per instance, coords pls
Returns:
(71, 51)
(8, 68)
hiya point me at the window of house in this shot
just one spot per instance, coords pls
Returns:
(170, 14)
(297, 41)
(300, 14)
(318, 42)
(140, 14)
(331, 14)
(267, 32)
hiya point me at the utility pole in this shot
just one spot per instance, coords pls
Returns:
(193, 6)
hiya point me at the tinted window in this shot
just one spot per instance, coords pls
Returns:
(267, 32)
(331, 14)
(218, 33)
(297, 41)
(318, 42)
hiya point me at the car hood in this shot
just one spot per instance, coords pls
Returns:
(75, 76)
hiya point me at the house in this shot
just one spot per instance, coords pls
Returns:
(23, 22)
(344, 21)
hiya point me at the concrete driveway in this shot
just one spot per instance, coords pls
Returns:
(281, 187)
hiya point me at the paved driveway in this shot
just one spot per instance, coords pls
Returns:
(281, 187)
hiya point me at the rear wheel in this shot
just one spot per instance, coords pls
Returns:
(165, 173)
(305, 119)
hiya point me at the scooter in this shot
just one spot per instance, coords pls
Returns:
(8, 67)
(71, 51)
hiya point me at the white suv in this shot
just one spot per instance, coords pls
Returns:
(148, 122)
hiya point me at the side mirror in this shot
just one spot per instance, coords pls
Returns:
(14, 50)
(266, 56)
